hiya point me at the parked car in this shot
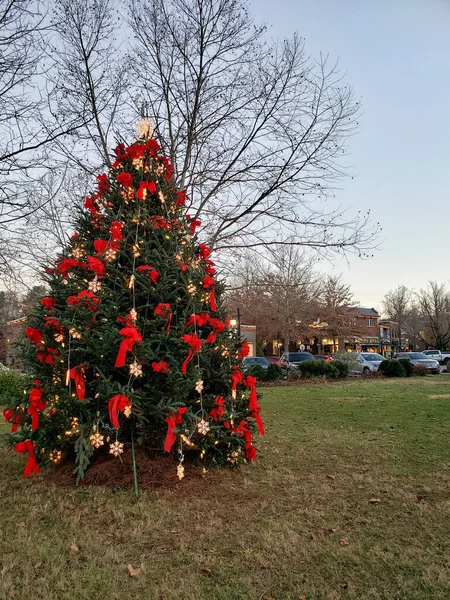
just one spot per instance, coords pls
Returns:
(273, 360)
(361, 363)
(442, 357)
(250, 361)
(290, 360)
(418, 358)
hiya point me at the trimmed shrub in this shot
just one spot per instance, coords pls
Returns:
(317, 368)
(392, 368)
(420, 370)
(274, 372)
(342, 367)
(12, 386)
(408, 366)
(257, 371)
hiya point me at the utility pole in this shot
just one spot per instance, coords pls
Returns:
(239, 321)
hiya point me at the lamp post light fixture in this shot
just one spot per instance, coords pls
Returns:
(236, 322)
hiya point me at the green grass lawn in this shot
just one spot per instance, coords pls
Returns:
(297, 524)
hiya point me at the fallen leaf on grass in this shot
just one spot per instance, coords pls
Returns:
(364, 470)
(344, 541)
(205, 570)
(133, 572)
(21, 524)
(325, 531)
(100, 509)
(374, 501)
(331, 476)
(313, 538)
(302, 598)
(73, 548)
(37, 565)
(11, 592)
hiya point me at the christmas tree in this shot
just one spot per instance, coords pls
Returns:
(132, 343)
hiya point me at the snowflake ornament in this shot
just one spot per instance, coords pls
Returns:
(116, 448)
(199, 386)
(180, 472)
(203, 427)
(97, 439)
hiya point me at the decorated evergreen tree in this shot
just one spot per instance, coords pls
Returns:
(132, 343)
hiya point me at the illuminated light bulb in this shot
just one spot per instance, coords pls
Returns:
(199, 386)
(135, 250)
(67, 377)
(131, 282)
(191, 288)
(133, 314)
(127, 411)
(55, 456)
(75, 334)
(161, 197)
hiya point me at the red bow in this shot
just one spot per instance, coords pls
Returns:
(182, 198)
(173, 419)
(89, 300)
(250, 382)
(143, 187)
(125, 179)
(160, 367)
(217, 412)
(77, 373)
(194, 223)
(92, 205)
(46, 355)
(151, 271)
(102, 245)
(165, 312)
(195, 342)
(243, 430)
(198, 320)
(203, 251)
(9, 417)
(131, 335)
(48, 303)
(236, 377)
(96, 265)
(208, 282)
(116, 231)
(102, 181)
(36, 403)
(217, 326)
(34, 335)
(31, 466)
(66, 264)
(117, 403)
(244, 351)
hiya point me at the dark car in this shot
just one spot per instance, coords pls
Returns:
(251, 361)
(273, 360)
(290, 360)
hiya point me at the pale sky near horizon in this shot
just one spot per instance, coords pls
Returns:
(396, 55)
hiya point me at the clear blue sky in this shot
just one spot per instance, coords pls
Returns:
(396, 54)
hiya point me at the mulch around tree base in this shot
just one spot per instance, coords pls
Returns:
(153, 471)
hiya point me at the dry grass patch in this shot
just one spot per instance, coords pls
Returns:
(297, 523)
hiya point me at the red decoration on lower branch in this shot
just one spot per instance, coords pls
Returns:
(77, 373)
(23, 448)
(36, 403)
(173, 419)
(117, 404)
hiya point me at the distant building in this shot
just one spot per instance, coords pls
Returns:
(9, 335)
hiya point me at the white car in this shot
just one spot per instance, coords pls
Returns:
(361, 363)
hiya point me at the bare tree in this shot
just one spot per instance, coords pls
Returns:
(397, 305)
(278, 297)
(434, 307)
(256, 130)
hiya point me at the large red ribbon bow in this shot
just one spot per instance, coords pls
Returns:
(15, 419)
(117, 403)
(217, 327)
(131, 336)
(164, 311)
(23, 448)
(219, 408)
(36, 403)
(195, 344)
(236, 377)
(173, 419)
(151, 272)
(77, 373)
(34, 335)
(253, 406)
